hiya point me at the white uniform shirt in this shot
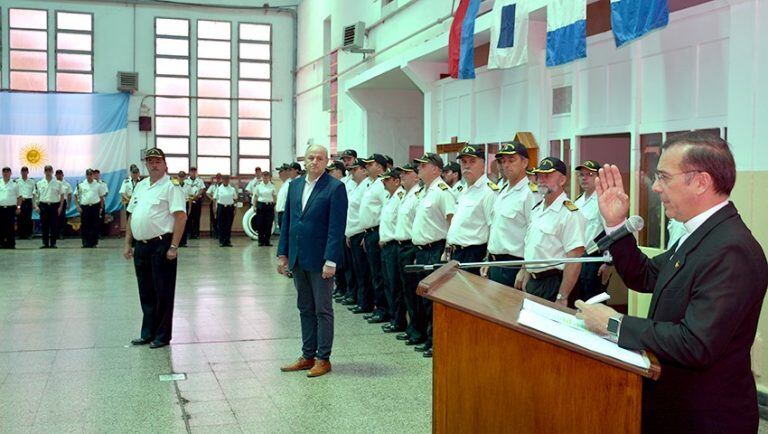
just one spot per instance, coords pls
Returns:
(225, 195)
(9, 193)
(511, 216)
(127, 187)
(372, 202)
(536, 195)
(349, 183)
(66, 189)
(388, 220)
(435, 204)
(186, 189)
(591, 212)
(264, 193)
(471, 223)
(282, 196)
(406, 212)
(211, 190)
(49, 191)
(459, 187)
(353, 208)
(553, 231)
(250, 188)
(152, 207)
(104, 189)
(196, 185)
(88, 193)
(26, 187)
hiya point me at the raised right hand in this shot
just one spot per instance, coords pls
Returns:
(611, 198)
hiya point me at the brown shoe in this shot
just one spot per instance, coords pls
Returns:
(321, 367)
(299, 365)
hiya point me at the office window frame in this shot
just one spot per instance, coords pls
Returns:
(58, 51)
(246, 157)
(11, 50)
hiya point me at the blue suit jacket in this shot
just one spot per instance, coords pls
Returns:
(314, 235)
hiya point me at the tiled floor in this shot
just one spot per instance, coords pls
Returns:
(65, 365)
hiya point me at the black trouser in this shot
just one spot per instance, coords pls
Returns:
(393, 289)
(427, 255)
(225, 215)
(362, 273)
(265, 218)
(7, 230)
(350, 281)
(62, 220)
(589, 284)
(340, 278)
(24, 220)
(373, 252)
(470, 254)
(503, 275)
(156, 276)
(49, 222)
(193, 222)
(89, 225)
(417, 328)
(546, 285)
(214, 223)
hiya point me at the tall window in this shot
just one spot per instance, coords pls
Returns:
(74, 52)
(254, 109)
(28, 30)
(172, 87)
(214, 90)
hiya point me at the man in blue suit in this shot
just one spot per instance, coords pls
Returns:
(311, 244)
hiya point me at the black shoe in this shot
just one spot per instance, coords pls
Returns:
(423, 347)
(141, 341)
(391, 328)
(158, 344)
(412, 341)
(348, 302)
(403, 337)
(377, 319)
(44, 247)
(368, 316)
(428, 353)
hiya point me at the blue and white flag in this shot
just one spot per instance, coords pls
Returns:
(632, 19)
(71, 132)
(566, 31)
(509, 34)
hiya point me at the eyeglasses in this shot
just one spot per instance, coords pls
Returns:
(586, 174)
(664, 178)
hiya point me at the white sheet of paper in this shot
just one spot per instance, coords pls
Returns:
(553, 314)
(581, 337)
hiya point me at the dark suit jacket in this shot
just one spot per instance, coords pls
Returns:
(314, 235)
(701, 324)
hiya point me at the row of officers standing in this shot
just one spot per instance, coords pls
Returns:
(399, 216)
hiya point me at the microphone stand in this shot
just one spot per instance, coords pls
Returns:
(508, 264)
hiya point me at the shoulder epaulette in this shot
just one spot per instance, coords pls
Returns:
(570, 205)
(493, 186)
(443, 186)
(175, 181)
(534, 188)
(400, 194)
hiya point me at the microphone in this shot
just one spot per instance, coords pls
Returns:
(634, 223)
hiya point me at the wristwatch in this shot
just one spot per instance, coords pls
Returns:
(614, 325)
(559, 297)
(174, 246)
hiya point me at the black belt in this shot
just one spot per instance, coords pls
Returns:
(503, 257)
(547, 273)
(388, 243)
(49, 203)
(7, 206)
(438, 243)
(405, 243)
(221, 204)
(265, 203)
(457, 248)
(371, 229)
(164, 237)
(88, 204)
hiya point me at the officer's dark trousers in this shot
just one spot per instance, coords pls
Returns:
(224, 216)
(373, 252)
(62, 219)
(49, 219)
(417, 327)
(590, 284)
(546, 286)
(503, 275)
(89, 225)
(470, 254)
(214, 223)
(7, 231)
(393, 287)
(24, 220)
(185, 234)
(156, 276)
(362, 273)
(350, 280)
(265, 218)
(193, 223)
(428, 255)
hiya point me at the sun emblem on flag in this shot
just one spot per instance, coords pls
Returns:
(33, 155)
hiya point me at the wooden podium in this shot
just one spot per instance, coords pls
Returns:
(493, 375)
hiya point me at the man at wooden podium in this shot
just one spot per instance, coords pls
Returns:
(707, 289)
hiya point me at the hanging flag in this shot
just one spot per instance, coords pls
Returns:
(72, 132)
(566, 31)
(509, 34)
(632, 19)
(461, 40)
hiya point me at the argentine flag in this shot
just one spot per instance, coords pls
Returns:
(566, 31)
(71, 132)
(632, 19)
(509, 34)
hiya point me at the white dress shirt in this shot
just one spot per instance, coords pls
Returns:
(554, 231)
(353, 209)
(49, 191)
(251, 186)
(430, 222)
(388, 220)
(104, 188)
(264, 193)
(26, 187)
(406, 212)
(511, 216)
(152, 207)
(308, 187)
(591, 211)
(372, 202)
(282, 195)
(471, 223)
(225, 195)
(88, 192)
(196, 185)
(66, 189)
(9, 193)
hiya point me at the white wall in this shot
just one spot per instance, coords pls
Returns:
(124, 41)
